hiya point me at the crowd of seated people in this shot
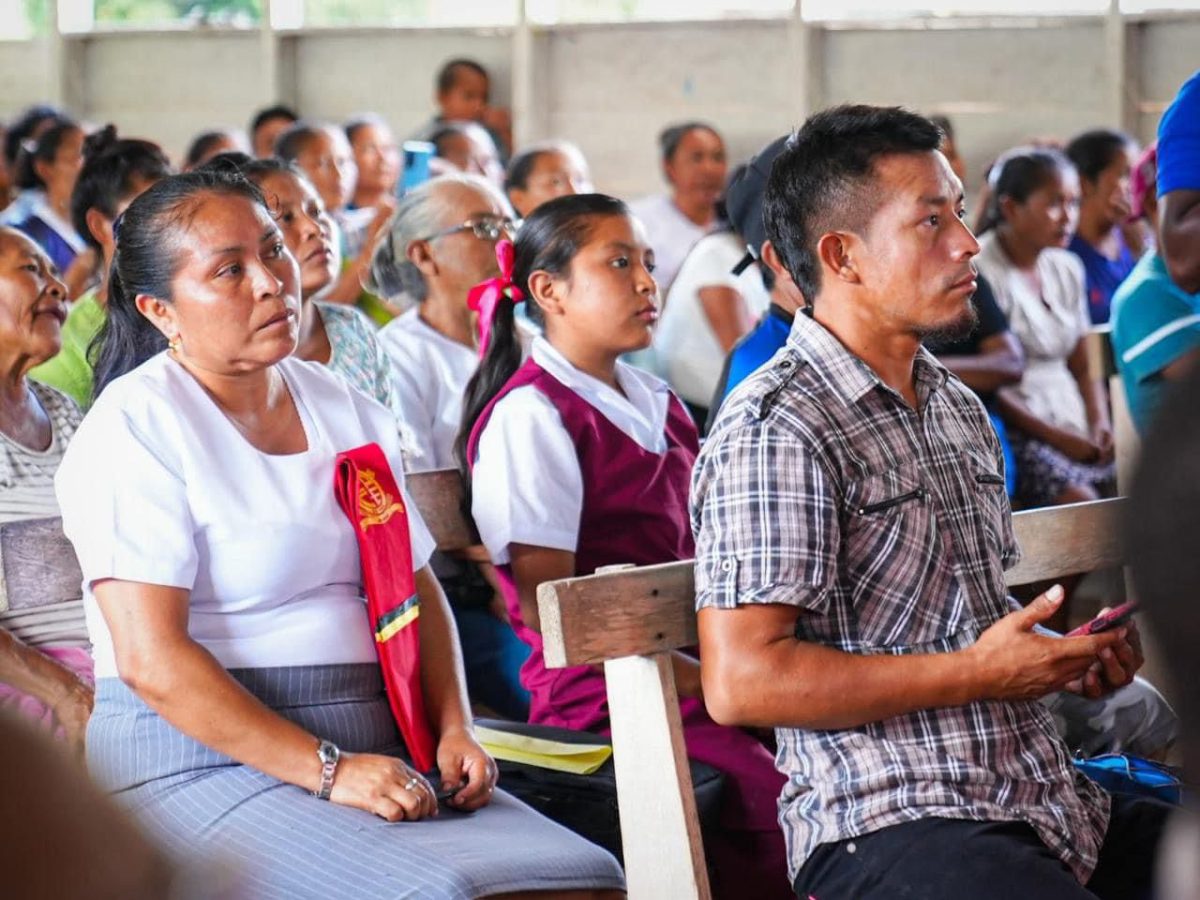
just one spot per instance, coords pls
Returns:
(804, 371)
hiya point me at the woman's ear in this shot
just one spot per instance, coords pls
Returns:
(418, 254)
(42, 170)
(833, 250)
(99, 225)
(545, 290)
(517, 198)
(160, 314)
(1008, 208)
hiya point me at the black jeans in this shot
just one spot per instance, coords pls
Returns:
(947, 859)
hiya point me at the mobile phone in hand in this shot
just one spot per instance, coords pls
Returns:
(1114, 618)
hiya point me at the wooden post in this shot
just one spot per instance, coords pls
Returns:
(660, 829)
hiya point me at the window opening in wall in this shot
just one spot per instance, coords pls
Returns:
(332, 13)
(549, 12)
(84, 15)
(850, 10)
(21, 20)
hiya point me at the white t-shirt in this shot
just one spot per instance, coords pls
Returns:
(671, 234)
(429, 378)
(159, 487)
(527, 486)
(687, 349)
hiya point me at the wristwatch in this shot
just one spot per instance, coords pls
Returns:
(328, 754)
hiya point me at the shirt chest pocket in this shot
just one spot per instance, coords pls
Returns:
(900, 574)
(987, 501)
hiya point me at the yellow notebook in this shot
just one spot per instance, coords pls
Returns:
(578, 759)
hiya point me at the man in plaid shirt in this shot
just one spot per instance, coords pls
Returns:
(852, 532)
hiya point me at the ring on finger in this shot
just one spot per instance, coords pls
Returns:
(411, 783)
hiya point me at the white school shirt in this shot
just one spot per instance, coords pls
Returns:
(671, 234)
(429, 377)
(686, 347)
(527, 486)
(159, 487)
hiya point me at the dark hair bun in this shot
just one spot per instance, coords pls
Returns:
(100, 142)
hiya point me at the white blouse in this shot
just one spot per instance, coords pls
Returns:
(686, 346)
(429, 377)
(1048, 326)
(159, 487)
(527, 486)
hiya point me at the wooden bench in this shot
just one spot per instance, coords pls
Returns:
(631, 619)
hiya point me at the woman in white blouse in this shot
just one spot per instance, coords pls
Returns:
(224, 596)
(1057, 415)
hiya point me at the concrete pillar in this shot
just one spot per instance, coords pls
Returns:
(526, 118)
(805, 45)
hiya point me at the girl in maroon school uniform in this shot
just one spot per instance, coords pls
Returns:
(577, 461)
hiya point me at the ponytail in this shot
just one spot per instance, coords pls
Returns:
(499, 363)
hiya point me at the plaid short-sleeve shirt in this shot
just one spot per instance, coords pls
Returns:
(889, 530)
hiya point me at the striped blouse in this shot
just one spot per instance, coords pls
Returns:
(27, 492)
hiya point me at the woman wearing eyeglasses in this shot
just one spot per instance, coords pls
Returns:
(442, 243)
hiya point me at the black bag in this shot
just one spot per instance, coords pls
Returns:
(587, 804)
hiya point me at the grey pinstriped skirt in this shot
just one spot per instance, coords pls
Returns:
(287, 845)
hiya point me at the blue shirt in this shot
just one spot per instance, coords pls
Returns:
(1179, 141)
(1104, 275)
(752, 351)
(1154, 324)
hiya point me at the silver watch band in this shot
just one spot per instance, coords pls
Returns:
(328, 754)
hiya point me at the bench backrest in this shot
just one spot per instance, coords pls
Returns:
(630, 619)
(439, 498)
(37, 565)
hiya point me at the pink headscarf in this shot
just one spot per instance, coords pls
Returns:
(485, 298)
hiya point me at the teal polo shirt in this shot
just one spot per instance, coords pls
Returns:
(1154, 323)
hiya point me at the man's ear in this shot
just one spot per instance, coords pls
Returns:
(418, 254)
(160, 314)
(837, 261)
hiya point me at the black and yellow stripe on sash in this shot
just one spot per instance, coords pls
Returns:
(391, 622)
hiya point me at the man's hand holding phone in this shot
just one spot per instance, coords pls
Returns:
(1117, 664)
(1012, 661)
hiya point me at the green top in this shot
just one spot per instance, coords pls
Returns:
(70, 370)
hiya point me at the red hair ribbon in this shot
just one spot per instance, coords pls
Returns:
(485, 297)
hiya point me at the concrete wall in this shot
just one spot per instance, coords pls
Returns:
(611, 88)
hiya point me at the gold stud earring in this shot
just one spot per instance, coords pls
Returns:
(175, 343)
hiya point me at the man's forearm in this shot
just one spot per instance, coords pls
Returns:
(819, 687)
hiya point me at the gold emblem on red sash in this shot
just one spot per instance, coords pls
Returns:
(375, 505)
